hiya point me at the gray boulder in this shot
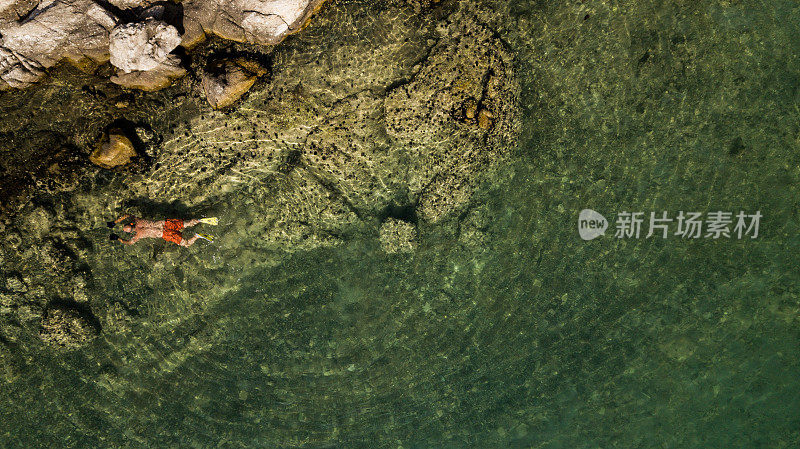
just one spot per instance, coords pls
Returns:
(141, 53)
(264, 22)
(75, 30)
(13, 10)
(17, 71)
(143, 45)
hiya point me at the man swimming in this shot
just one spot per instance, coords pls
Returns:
(169, 230)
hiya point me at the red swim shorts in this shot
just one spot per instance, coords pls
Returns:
(172, 231)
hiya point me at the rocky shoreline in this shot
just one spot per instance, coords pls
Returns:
(137, 37)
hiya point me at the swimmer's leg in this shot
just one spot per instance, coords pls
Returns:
(189, 242)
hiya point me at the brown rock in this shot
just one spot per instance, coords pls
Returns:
(485, 119)
(115, 150)
(227, 81)
(150, 80)
(470, 108)
(250, 66)
(193, 34)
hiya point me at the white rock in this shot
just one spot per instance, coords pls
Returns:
(142, 46)
(266, 21)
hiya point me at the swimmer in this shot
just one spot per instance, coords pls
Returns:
(169, 230)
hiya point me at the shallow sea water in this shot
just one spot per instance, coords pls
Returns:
(535, 338)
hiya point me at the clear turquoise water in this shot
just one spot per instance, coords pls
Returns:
(535, 339)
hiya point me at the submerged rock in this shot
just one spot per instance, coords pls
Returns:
(469, 72)
(15, 283)
(418, 5)
(155, 79)
(226, 81)
(485, 119)
(115, 150)
(398, 236)
(67, 326)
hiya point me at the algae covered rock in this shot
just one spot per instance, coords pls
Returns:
(418, 5)
(15, 283)
(398, 236)
(458, 117)
(473, 229)
(67, 326)
(115, 149)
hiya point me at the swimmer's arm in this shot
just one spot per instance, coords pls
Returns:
(132, 240)
(122, 218)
